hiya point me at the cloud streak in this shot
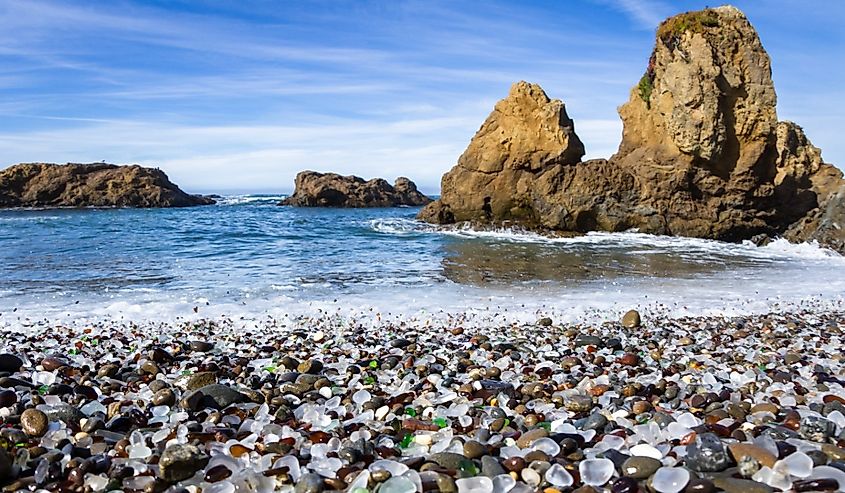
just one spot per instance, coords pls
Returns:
(231, 96)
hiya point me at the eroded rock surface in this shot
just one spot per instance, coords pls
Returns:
(90, 185)
(332, 190)
(702, 152)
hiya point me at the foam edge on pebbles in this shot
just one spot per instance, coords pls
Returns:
(665, 405)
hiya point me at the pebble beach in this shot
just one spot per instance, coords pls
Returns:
(744, 404)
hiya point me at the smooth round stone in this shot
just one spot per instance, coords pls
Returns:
(164, 397)
(700, 485)
(311, 367)
(815, 485)
(400, 343)
(743, 450)
(201, 346)
(596, 472)
(51, 363)
(631, 319)
(474, 450)
(707, 454)
(670, 479)
(179, 462)
(445, 483)
(558, 476)
(625, 485)
(579, 403)
(10, 363)
(733, 485)
(595, 421)
(34, 422)
(200, 379)
(8, 397)
(833, 452)
(514, 464)
(640, 467)
(529, 437)
(478, 484)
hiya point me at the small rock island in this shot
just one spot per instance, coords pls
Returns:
(91, 185)
(313, 189)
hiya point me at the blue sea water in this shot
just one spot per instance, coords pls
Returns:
(247, 257)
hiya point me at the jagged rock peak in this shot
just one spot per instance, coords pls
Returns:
(90, 185)
(525, 130)
(525, 136)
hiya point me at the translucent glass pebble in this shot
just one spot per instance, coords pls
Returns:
(220, 487)
(596, 472)
(670, 479)
(646, 450)
(776, 478)
(531, 477)
(798, 464)
(361, 397)
(558, 476)
(478, 484)
(399, 485)
(326, 467)
(393, 467)
(546, 445)
(503, 483)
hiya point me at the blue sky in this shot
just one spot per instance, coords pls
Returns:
(239, 96)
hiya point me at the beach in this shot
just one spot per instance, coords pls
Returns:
(332, 402)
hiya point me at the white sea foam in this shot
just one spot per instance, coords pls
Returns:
(777, 249)
(250, 199)
(363, 282)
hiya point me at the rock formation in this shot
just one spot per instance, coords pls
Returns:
(314, 189)
(90, 185)
(702, 152)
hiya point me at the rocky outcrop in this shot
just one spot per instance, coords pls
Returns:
(90, 185)
(515, 161)
(314, 189)
(702, 152)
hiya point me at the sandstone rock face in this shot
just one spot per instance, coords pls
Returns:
(90, 185)
(526, 137)
(702, 152)
(332, 190)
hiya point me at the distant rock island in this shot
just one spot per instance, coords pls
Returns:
(315, 189)
(703, 153)
(91, 185)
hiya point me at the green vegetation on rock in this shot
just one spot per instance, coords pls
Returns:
(696, 22)
(645, 87)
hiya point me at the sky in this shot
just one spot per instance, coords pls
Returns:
(237, 97)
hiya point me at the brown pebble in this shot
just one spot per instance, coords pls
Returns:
(34, 422)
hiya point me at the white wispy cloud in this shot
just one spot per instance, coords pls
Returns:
(645, 14)
(370, 88)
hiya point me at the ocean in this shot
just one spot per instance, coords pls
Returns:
(246, 258)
